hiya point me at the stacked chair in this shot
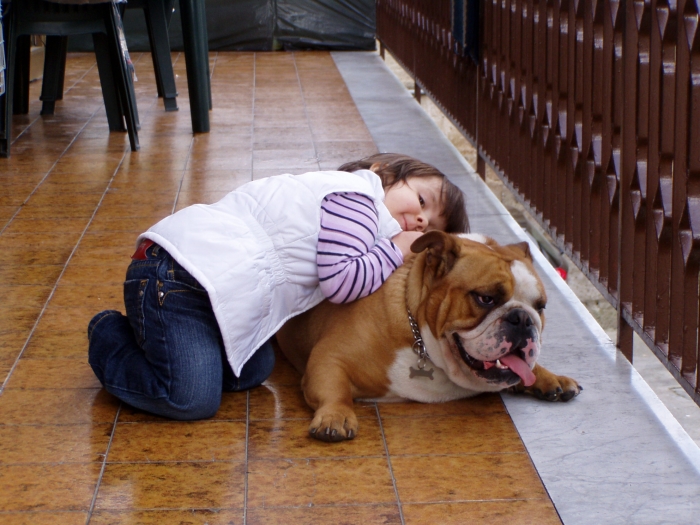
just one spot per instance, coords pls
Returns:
(158, 14)
(102, 19)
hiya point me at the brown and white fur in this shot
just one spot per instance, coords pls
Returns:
(479, 307)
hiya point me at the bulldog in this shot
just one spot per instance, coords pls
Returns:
(462, 316)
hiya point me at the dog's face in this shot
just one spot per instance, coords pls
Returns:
(484, 306)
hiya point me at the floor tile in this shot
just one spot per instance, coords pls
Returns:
(37, 248)
(299, 482)
(168, 517)
(345, 515)
(290, 439)
(43, 274)
(215, 180)
(427, 479)
(19, 318)
(54, 443)
(57, 317)
(16, 296)
(106, 222)
(179, 441)
(203, 485)
(527, 512)
(131, 203)
(99, 274)
(66, 344)
(451, 435)
(146, 181)
(57, 407)
(60, 206)
(482, 405)
(48, 487)
(28, 226)
(11, 344)
(44, 518)
(53, 373)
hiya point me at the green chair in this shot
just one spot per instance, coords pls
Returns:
(22, 18)
(157, 14)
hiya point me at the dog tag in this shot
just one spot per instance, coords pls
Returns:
(420, 372)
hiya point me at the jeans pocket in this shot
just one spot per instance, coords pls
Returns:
(134, 295)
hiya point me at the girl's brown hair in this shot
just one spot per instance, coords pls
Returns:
(394, 168)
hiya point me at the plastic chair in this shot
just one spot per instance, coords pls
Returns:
(26, 17)
(158, 14)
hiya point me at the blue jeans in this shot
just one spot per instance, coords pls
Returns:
(166, 356)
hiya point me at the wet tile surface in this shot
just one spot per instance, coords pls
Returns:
(70, 453)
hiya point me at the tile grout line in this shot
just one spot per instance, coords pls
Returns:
(388, 461)
(182, 178)
(247, 399)
(245, 473)
(306, 112)
(252, 120)
(104, 466)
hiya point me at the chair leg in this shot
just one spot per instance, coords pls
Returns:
(6, 100)
(22, 58)
(54, 72)
(124, 81)
(197, 62)
(157, 23)
(108, 80)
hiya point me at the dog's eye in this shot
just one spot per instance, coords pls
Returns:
(485, 300)
(540, 308)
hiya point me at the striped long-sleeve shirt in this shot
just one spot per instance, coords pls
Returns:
(352, 261)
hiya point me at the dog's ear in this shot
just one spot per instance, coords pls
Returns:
(522, 249)
(443, 250)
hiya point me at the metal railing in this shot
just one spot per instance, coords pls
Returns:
(590, 112)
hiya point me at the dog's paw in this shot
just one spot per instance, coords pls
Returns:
(550, 387)
(334, 424)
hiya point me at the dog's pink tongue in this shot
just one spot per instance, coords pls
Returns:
(520, 367)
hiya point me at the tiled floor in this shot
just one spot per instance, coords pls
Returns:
(72, 200)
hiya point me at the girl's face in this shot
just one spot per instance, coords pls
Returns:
(416, 203)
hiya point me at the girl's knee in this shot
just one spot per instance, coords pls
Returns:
(196, 409)
(104, 322)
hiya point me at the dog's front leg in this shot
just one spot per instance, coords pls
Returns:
(328, 391)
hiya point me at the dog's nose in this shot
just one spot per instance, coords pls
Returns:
(519, 317)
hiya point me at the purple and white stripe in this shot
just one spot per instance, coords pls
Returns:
(352, 262)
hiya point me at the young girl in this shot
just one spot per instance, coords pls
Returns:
(210, 285)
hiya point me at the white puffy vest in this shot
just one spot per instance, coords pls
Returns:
(254, 251)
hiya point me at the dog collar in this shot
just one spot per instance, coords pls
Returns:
(420, 350)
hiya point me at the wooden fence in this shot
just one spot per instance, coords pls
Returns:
(590, 112)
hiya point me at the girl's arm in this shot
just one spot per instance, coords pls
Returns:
(352, 261)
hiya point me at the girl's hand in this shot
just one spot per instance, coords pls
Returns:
(404, 240)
